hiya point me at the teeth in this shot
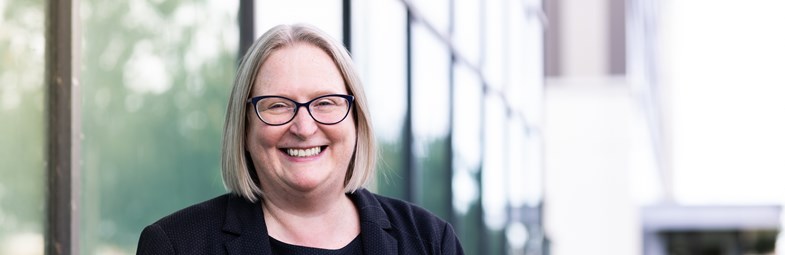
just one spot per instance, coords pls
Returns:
(304, 152)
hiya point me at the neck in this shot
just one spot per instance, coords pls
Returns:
(324, 220)
(302, 204)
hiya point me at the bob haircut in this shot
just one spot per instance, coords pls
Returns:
(239, 174)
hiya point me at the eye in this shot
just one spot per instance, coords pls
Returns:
(325, 102)
(275, 105)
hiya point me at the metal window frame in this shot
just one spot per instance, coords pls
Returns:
(408, 156)
(63, 127)
(245, 22)
(346, 18)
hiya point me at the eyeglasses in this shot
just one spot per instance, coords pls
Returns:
(278, 110)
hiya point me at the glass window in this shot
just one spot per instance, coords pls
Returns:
(526, 61)
(467, 152)
(379, 52)
(22, 148)
(430, 120)
(494, 50)
(155, 81)
(518, 182)
(524, 96)
(525, 167)
(466, 36)
(494, 196)
(435, 12)
(467, 142)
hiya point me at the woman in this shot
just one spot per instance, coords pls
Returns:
(297, 150)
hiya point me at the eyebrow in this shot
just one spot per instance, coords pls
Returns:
(314, 94)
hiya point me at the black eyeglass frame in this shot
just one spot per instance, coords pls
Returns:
(254, 100)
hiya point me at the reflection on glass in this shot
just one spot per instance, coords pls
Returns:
(466, 158)
(155, 76)
(379, 52)
(526, 40)
(466, 34)
(21, 132)
(435, 12)
(518, 183)
(467, 123)
(494, 52)
(430, 120)
(494, 196)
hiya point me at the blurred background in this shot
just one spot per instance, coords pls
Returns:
(533, 126)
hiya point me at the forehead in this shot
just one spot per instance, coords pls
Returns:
(299, 70)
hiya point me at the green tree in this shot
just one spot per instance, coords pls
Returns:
(155, 81)
(21, 123)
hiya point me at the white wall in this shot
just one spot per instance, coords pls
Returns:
(723, 70)
(590, 208)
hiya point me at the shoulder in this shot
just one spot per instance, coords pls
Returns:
(401, 213)
(196, 226)
(197, 214)
(412, 224)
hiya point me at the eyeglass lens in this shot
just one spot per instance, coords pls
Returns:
(325, 109)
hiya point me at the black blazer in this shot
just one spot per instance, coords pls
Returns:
(229, 224)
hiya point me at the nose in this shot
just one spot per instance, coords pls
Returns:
(303, 125)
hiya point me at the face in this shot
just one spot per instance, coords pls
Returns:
(301, 155)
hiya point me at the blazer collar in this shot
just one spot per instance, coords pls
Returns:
(375, 226)
(246, 228)
(248, 232)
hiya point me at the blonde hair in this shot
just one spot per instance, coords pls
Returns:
(236, 168)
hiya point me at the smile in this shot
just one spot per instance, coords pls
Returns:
(302, 153)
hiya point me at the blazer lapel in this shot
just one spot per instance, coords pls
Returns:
(383, 242)
(248, 232)
(374, 225)
(245, 227)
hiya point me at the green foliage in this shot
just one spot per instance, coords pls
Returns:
(391, 170)
(21, 119)
(435, 178)
(155, 82)
(433, 174)
(469, 227)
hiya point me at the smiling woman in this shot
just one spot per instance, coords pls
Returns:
(297, 177)
(302, 71)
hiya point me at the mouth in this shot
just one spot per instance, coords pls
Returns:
(303, 152)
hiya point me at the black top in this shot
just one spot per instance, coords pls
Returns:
(229, 224)
(353, 248)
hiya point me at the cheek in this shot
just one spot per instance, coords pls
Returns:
(259, 138)
(348, 136)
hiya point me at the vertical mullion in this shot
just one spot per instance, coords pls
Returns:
(63, 127)
(410, 172)
(245, 21)
(451, 115)
(502, 242)
(483, 236)
(347, 24)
